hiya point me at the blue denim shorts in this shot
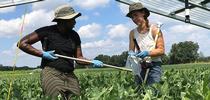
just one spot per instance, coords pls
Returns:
(154, 75)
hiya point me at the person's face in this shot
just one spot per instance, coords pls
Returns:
(69, 24)
(138, 17)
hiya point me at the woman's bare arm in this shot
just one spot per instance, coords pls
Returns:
(26, 44)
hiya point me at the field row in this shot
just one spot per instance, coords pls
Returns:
(104, 84)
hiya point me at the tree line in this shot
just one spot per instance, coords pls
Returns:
(10, 68)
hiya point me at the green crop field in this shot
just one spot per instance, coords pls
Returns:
(179, 82)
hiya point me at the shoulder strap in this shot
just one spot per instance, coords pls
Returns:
(134, 39)
(136, 45)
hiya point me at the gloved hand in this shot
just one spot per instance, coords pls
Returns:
(49, 55)
(97, 63)
(131, 53)
(142, 54)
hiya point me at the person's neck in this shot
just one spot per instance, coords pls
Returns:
(61, 29)
(142, 29)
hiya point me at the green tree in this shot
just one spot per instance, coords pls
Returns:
(116, 60)
(122, 59)
(165, 59)
(184, 52)
(104, 58)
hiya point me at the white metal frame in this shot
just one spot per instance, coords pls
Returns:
(177, 14)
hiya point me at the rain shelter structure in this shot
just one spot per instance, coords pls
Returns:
(9, 3)
(196, 12)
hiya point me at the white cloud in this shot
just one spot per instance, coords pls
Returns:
(202, 38)
(23, 59)
(118, 31)
(6, 52)
(33, 20)
(197, 36)
(7, 9)
(9, 28)
(97, 44)
(49, 5)
(90, 4)
(107, 47)
(183, 28)
(179, 32)
(14, 49)
(90, 30)
(155, 18)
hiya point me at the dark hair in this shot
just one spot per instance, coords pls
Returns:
(147, 22)
(59, 20)
(62, 20)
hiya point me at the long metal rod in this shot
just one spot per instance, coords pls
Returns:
(123, 2)
(88, 61)
(18, 3)
(146, 75)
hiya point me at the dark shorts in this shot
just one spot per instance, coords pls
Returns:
(56, 83)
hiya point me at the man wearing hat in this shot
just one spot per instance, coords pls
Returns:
(148, 37)
(57, 76)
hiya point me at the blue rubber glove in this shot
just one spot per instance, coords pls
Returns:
(49, 55)
(131, 53)
(97, 63)
(142, 54)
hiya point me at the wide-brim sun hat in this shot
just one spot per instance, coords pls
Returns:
(137, 7)
(65, 12)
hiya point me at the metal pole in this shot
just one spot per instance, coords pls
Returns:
(146, 75)
(19, 3)
(187, 12)
(88, 61)
(123, 2)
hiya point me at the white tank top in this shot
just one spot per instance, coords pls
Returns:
(146, 42)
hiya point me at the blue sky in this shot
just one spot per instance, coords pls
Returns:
(103, 29)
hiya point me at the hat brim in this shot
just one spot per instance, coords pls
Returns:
(143, 9)
(75, 15)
